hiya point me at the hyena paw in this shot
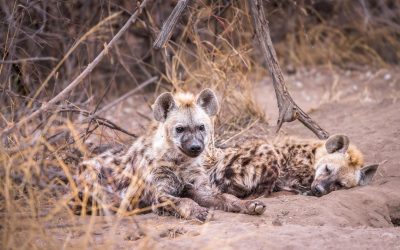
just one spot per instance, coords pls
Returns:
(255, 207)
(200, 213)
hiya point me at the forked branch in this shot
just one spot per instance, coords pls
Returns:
(288, 109)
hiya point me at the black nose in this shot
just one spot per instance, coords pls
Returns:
(195, 148)
(317, 190)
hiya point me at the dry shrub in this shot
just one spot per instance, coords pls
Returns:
(212, 47)
(344, 33)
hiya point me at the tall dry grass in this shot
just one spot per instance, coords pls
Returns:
(45, 44)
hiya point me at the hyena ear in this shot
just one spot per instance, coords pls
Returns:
(208, 101)
(337, 143)
(162, 106)
(367, 173)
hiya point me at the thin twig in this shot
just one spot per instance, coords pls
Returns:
(170, 24)
(100, 120)
(30, 59)
(64, 93)
(241, 132)
(9, 92)
(95, 109)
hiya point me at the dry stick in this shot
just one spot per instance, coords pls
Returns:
(30, 59)
(99, 120)
(63, 94)
(170, 23)
(133, 91)
(288, 109)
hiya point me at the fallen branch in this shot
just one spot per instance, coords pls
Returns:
(288, 109)
(170, 24)
(63, 94)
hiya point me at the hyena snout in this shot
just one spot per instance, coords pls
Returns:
(323, 186)
(193, 147)
(318, 190)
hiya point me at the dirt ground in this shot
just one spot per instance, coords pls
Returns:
(365, 107)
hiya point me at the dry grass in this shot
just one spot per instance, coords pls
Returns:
(215, 49)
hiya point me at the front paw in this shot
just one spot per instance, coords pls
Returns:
(199, 213)
(255, 207)
(308, 193)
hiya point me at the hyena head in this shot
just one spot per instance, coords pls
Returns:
(186, 119)
(339, 166)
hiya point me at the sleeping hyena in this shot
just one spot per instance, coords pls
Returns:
(313, 167)
(163, 169)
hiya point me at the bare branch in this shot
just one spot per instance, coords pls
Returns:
(170, 24)
(288, 109)
(63, 94)
(99, 120)
(30, 59)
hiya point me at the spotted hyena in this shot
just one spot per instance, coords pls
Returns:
(313, 167)
(163, 169)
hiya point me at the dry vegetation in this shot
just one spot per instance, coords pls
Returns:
(45, 44)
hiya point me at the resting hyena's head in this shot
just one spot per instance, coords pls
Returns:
(186, 119)
(339, 165)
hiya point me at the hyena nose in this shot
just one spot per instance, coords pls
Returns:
(318, 190)
(195, 149)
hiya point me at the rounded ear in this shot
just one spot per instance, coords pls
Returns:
(162, 106)
(337, 143)
(208, 101)
(367, 173)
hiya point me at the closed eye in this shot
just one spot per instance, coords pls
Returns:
(327, 169)
(339, 184)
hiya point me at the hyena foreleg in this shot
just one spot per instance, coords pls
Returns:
(168, 188)
(182, 207)
(209, 197)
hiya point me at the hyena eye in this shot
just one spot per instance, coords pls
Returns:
(179, 129)
(339, 184)
(202, 128)
(327, 169)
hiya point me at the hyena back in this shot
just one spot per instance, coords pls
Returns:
(164, 167)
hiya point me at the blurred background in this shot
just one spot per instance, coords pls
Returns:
(46, 44)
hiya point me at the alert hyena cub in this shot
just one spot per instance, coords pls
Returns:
(164, 167)
(313, 167)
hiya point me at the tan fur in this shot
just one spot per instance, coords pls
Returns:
(355, 157)
(185, 99)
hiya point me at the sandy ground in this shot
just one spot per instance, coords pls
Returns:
(363, 106)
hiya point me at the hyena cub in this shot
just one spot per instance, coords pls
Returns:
(164, 167)
(313, 167)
